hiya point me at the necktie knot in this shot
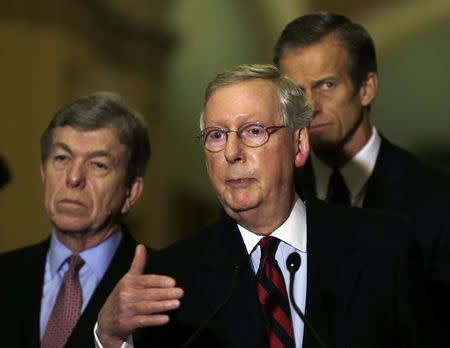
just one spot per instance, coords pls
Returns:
(75, 263)
(338, 192)
(268, 246)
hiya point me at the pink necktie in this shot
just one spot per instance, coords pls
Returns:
(66, 311)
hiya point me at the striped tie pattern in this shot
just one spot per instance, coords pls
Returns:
(273, 297)
(66, 310)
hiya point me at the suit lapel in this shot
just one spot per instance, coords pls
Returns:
(333, 272)
(305, 182)
(385, 186)
(31, 307)
(316, 297)
(241, 317)
(118, 267)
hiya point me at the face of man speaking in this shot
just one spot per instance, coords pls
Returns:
(254, 184)
(84, 185)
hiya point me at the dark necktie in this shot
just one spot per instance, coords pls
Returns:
(337, 189)
(273, 297)
(66, 310)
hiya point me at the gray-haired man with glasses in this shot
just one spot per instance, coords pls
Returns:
(358, 283)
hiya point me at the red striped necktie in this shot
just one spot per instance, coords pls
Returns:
(273, 297)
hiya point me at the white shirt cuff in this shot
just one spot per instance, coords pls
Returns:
(127, 344)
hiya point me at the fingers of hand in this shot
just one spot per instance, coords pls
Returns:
(147, 281)
(142, 321)
(150, 308)
(143, 296)
(133, 315)
(150, 294)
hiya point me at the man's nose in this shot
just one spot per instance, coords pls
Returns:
(76, 174)
(313, 100)
(233, 147)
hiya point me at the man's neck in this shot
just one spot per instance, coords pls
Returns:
(79, 241)
(264, 221)
(338, 156)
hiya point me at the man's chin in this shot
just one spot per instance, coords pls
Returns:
(322, 144)
(72, 227)
(234, 208)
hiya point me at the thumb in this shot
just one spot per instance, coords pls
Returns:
(139, 261)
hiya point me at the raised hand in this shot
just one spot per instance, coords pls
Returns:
(138, 300)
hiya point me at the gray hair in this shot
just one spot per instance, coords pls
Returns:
(103, 110)
(295, 110)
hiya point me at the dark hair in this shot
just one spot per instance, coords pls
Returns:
(102, 110)
(312, 28)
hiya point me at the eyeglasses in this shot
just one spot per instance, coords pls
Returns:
(251, 134)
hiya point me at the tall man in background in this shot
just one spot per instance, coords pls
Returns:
(333, 61)
(94, 155)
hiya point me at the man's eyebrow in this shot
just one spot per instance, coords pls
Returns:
(90, 154)
(64, 146)
(322, 80)
(99, 153)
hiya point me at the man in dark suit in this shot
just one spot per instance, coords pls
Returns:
(333, 61)
(358, 286)
(94, 154)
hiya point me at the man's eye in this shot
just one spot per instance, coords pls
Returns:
(327, 85)
(216, 135)
(100, 165)
(60, 158)
(60, 161)
(254, 131)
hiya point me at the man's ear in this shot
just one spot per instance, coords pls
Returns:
(302, 146)
(133, 194)
(42, 170)
(368, 89)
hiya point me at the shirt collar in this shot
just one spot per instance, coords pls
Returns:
(96, 258)
(356, 172)
(292, 231)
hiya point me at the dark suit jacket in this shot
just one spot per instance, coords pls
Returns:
(364, 285)
(401, 184)
(22, 272)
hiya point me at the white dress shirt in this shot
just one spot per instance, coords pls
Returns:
(355, 172)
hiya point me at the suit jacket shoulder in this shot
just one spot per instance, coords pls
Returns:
(366, 284)
(23, 274)
(402, 183)
(21, 298)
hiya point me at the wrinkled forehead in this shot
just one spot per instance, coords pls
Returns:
(253, 100)
(101, 140)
